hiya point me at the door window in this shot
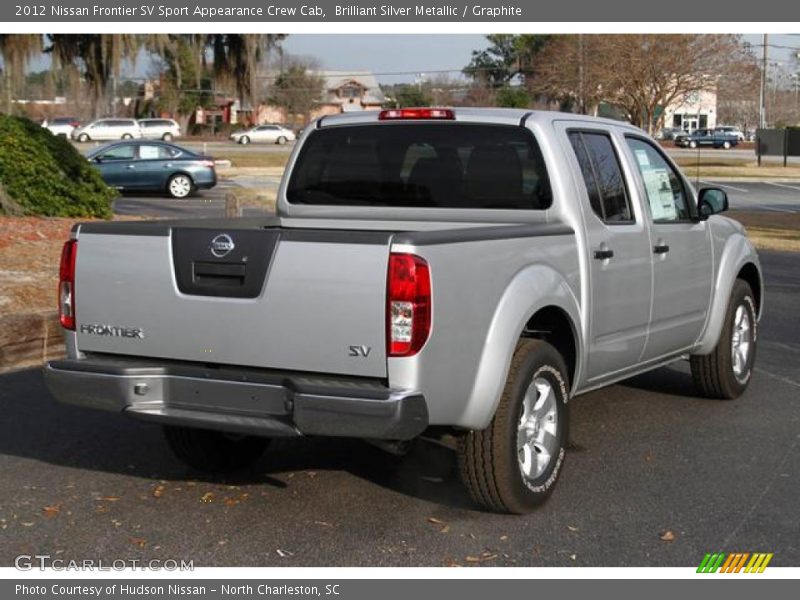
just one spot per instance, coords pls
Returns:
(603, 177)
(666, 194)
(118, 153)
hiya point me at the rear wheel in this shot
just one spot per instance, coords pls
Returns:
(127, 136)
(244, 140)
(180, 186)
(513, 464)
(726, 145)
(692, 144)
(726, 372)
(214, 451)
(281, 141)
(167, 137)
(83, 138)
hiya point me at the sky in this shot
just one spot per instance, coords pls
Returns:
(401, 57)
(385, 55)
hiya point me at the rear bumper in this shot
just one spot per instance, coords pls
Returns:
(272, 404)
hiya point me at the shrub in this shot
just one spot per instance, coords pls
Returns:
(43, 174)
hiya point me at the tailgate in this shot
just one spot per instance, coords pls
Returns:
(268, 297)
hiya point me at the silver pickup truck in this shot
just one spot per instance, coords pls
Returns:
(459, 270)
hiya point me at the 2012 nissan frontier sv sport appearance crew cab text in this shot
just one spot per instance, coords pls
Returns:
(465, 270)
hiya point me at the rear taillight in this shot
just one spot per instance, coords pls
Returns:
(408, 304)
(66, 285)
(208, 163)
(393, 114)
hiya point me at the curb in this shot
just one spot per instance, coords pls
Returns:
(27, 340)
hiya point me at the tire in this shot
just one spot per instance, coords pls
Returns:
(127, 136)
(83, 138)
(180, 186)
(167, 137)
(244, 140)
(281, 141)
(692, 144)
(725, 373)
(495, 464)
(726, 145)
(214, 451)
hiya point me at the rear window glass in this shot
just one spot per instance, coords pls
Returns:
(430, 165)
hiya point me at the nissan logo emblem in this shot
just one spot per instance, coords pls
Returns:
(222, 245)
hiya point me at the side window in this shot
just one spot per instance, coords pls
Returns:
(118, 153)
(603, 176)
(148, 152)
(665, 191)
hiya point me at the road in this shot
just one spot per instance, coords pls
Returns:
(648, 456)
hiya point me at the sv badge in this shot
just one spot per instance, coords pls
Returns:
(359, 351)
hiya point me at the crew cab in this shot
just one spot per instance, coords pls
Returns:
(463, 270)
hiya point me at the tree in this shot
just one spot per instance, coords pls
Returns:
(236, 59)
(507, 57)
(298, 90)
(641, 74)
(512, 97)
(17, 51)
(98, 56)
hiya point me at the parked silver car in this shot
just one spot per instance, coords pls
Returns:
(160, 129)
(107, 130)
(268, 134)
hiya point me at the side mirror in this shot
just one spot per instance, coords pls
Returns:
(711, 201)
(98, 159)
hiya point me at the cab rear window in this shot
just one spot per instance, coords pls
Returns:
(431, 165)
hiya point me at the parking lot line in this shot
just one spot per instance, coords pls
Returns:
(783, 185)
(725, 185)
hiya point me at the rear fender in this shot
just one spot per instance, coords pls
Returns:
(532, 289)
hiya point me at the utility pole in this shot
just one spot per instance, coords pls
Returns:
(762, 108)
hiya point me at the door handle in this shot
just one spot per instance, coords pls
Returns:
(130, 167)
(603, 254)
(168, 166)
(660, 249)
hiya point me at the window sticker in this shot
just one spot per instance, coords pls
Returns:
(659, 194)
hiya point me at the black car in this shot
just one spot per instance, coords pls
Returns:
(708, 137)
(154, 166)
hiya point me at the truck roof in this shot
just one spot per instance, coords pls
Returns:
(504, 116)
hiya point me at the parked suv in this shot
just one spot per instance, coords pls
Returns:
(160, 129)
(62, 125)
(107, 129)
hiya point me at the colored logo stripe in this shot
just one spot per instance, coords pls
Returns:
(734, 562)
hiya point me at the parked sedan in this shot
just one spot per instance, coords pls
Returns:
(270, 134)
(708, 137)
(154, 166)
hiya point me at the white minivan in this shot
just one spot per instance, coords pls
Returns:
(108, 129)
(160, 129)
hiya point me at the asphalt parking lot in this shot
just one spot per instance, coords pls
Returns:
(648, 457)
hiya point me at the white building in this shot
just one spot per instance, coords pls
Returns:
(697, 110)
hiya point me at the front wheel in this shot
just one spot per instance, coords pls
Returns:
(83, 138)
(127, 136)
(180, 186)
(214, 451)
(726, 145)
(513, 464)
(167, 137)
(244, 140)
(281, 141)
(692, 145)
(726, 372)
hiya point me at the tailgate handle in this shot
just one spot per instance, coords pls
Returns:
(218, 274)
